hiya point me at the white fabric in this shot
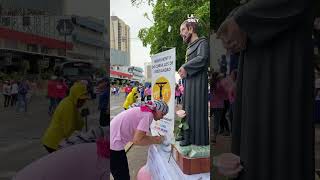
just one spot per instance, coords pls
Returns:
(14, 88)
(6, 89)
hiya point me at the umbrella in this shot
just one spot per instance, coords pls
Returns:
(78, 162)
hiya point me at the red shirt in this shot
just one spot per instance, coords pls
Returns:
(127, 89)
(52, 88)
(61, 90)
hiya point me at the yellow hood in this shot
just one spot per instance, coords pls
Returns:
(131, 98)
(78, 91)
(134, 90)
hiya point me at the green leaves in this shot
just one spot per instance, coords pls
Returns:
(185, 126)
(172, 13)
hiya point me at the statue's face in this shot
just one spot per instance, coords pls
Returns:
(185, 33)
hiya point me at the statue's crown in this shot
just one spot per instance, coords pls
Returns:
(191, 18)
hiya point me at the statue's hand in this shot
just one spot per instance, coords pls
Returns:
(181, 113)
(233, 38)
(182, 72)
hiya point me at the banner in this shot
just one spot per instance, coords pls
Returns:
(163, 87)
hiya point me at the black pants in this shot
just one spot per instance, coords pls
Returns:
(6, 100)
(224, 125)
(119, 165)
(50, 150)
(217, 117)
(178, 98)
(14, 99)
(231, 110)
(104, 119)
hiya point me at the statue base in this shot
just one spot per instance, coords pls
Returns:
(190, 165)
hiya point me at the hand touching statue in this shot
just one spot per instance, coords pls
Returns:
(182, 72)
(233, 38)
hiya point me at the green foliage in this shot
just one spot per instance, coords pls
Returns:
(172, 13)
(139, 2)
(181, 125)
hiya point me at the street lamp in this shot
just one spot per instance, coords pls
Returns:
(65, 28)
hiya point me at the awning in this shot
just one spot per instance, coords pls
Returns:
(33, 39)
(118, 73)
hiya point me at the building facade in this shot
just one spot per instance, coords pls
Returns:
(119, 35)
(137, 73)
(88, 41)
(119, 42)
(148, 71)
(119, 58)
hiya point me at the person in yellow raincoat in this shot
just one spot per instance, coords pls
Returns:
(66, 118)
(131, 98)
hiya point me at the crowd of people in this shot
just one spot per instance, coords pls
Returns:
(66, 137)
(144, 91)
(222, 97)
(179, 89)
(17, 94)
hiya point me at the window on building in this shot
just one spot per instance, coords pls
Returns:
(119, 36)
(5, 21)
(26, 21)
(12, 44)
(32, 47)
(44, 50)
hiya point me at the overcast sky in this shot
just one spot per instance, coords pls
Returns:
(133, 17)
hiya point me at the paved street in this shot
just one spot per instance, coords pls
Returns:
(20, 134)
(137, 155)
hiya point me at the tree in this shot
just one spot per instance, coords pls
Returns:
(169, 14)
(139, 2)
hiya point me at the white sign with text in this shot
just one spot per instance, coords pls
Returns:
(163, 87)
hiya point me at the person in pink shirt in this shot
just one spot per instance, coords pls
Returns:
(61, 90)
(127, 90)
(51, 88)
(218, 93)
(226, 82)
(181, 88)
(232, 94)
(178, 94)
(147, 93)
(132, 125)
